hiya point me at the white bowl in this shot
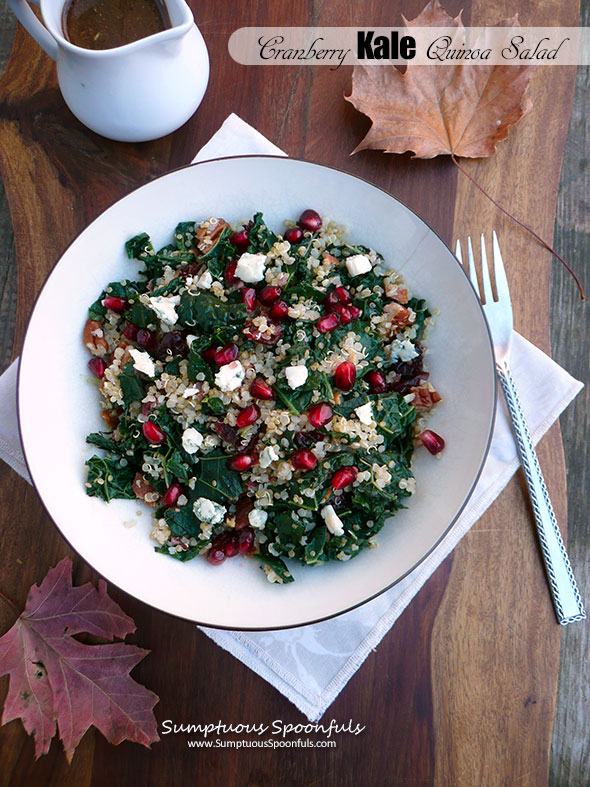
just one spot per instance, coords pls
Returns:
(58, 406)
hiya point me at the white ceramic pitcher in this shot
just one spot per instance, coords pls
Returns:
(132, 93)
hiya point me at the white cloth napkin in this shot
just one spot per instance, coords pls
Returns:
(312, 664)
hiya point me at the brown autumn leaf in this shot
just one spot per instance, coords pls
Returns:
(57, 681)
(458, 110)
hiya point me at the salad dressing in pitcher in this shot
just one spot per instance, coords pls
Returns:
(106, 24)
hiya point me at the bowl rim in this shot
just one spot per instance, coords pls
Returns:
(419, 562)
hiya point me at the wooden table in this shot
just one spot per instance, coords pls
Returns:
(463, 690)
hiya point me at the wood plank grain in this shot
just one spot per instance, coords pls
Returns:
(496, 729)
(570, 755)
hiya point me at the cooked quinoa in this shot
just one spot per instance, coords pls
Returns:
(263, 393)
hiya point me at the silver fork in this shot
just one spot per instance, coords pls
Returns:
(564, 591)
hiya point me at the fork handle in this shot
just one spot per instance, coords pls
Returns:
(564, 591)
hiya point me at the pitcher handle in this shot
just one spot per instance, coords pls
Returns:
(30, 22)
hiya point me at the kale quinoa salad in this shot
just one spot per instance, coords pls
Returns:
(263, 393)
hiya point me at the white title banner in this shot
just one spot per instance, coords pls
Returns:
(374, 46)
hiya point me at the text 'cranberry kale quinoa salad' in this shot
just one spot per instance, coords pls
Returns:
(263, 393)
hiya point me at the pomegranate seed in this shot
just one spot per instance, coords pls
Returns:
(294, 235)
(320, 414)
(260, 389)
(98, 367)
(248, 416)
(279, 311)
(249, 297)
(115, 304)
(246, 540)
(331, 300)
(131, 332)
(231, 545)
(226, 355)
(153, 434)
(344, 477)
(268, 295)
(146, 339)
(345, 376)
(215, 555)
(328, 322)
(241, 462)
(343, 294)
(310, 220)
(376, 382)
(229, 273)
(171, 495)
(303, 460)
(433, 441)
(241, 240)
(346, 313)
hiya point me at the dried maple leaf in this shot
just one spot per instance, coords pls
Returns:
(459, 110)
(56, 680)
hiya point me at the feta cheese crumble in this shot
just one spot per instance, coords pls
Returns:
(257, 518)
(357, 264)
(209, 511)
(296, 376)
(143, 362)
(402, 350)
(267, 456)
(332, 520)
(365, 413)
(192, 440)
(230, 376)
(205, 280)
(250, 267)
(165, 307)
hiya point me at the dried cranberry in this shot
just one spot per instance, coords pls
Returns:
(152, 433)
(268, 295)
(294, 235)
(241, 240)
(115, 304)
(344, 477)
(279, 311)
(432, 441)
(146, 339)
(260, 389)
(131, 332)
(243, 507)
(320, 414)
(248, 416)
(328, 322)
(304, 460)
(171, 344)
(345, 376)
(229, 434)
(310, 220)
(98, 367)
(307, 439)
